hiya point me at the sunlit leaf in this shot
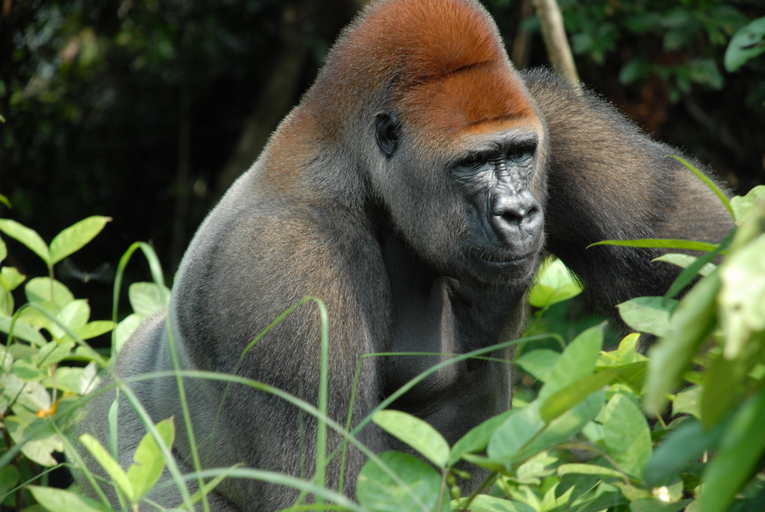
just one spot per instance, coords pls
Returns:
(378, 492)
(110, 465)
(73, 238)
(147, 460)
(26, 236)
(59, 500)
(648, 314)
(626, 435)
(415, 433)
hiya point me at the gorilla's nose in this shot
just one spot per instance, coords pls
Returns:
(516, 217)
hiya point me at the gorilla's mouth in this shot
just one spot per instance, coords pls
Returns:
(501, 257)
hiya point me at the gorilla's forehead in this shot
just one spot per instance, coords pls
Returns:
(482, 97)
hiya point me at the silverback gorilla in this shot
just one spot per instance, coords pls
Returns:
(414, 189)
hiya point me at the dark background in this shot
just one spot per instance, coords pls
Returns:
(146, 110)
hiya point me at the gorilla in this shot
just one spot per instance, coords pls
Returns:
(414, 189)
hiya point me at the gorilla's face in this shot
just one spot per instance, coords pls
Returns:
(472, 209)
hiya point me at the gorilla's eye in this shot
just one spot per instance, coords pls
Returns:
(387, 133)
(474, 160)
(521, 152)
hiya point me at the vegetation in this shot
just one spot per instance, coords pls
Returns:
(576, 439)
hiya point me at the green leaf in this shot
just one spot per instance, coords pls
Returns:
(513, 434)
(692, 322)
(54, 352)
(660, 243)
(9, 477)
(478, 437)
(3, 250)
(742, 295)
(538, 363)
(568, 397)
(552, 284)
(26, 236)
(59, 500)
(566, 426)
(36, 447)
(378, 492)
(22, 331)
(683, 445)
(45, 289)
(125, 329)
(626, 435)
(687, 402)
(415, 433)
(587, 469)
(146, 298)
(740, 448)
(656, 505)
(648, 314)
(576, 361)
(744, 205)
(93, 329)
(12, 278)
(486, 503)
(73, 238)
(684, 261)
(148, 462)
(110, 465)
(745, 45)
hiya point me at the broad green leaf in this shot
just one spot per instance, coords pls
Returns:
(744, 205)
(89, 379)
(146, 298)
(207, 488)
(125, 329)
(12, 278)
(577, 361)
(45, 289)
(73, 315)
(566, 426)
(478, 437)
(378, 492)
(9, 477)
(73, 238)
(587, 469)
(26, 236)
(93, 329)
(22, 331)
(513, 434)
(553, 283)
(684, 261)
(568, 397)
(147, 461)
(486, 503)
(745, 45)
(538, 363)
(38, 446)
(605, 501)
(648, 314)
(742, 295)
(3, 250)
(626, 435)
(692, 322)
(110, 465)
(415, 433)
(683, 445)
(59, 500)
(54, 352)
(687, 401)
(741, 446)
(26, 368)
(656, 505)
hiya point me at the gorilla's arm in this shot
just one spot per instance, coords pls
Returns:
(607, 180)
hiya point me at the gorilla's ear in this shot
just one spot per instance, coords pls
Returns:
(387, 133)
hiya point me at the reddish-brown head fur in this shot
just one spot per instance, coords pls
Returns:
(440, 63)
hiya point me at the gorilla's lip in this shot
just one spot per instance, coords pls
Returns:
(499, 258)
